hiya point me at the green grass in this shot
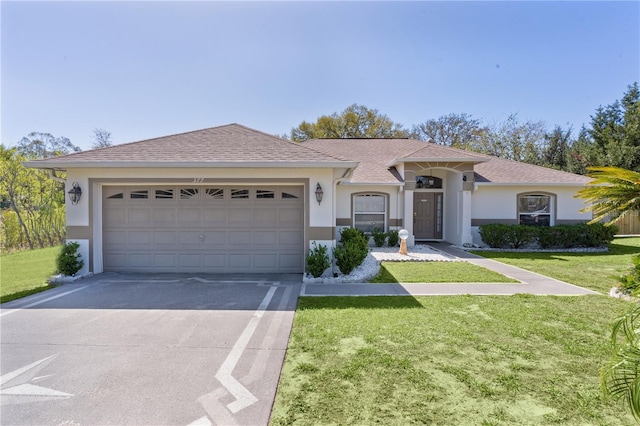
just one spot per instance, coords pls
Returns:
(436, 272)
(26, 272)
(461, 360)
(595, 271)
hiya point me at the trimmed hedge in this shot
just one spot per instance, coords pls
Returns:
(499, 235)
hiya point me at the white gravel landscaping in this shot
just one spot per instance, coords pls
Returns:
(371, 265)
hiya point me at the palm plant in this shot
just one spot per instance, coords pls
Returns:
(613, 193)
(620, 379)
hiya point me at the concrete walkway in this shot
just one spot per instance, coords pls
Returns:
(530, 283)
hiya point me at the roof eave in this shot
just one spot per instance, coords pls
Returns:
(531, 183)
(397, 161)
(61, 165)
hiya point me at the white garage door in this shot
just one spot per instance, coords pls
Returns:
(203, 229)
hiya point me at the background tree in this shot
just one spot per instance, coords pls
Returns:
(101, 139)
(555, 152)
(615, 131)
(513, 140)
(44, 145)
(356, 121)
(454, 130)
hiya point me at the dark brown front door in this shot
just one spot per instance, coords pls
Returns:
(427, 215)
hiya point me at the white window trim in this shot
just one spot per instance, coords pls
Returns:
(385, 213)
(552, 205)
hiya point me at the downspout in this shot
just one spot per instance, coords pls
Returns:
(337, 181)
(52, 175)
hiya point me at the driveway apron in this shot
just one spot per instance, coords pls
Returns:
(120, 349)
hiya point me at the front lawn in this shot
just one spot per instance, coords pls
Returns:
(26, 272)
(595, 271)
(461, 360)
(437, 272)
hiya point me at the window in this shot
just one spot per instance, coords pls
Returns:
(188, 193)
(265, 193)
(535, 209)
(164, 194)
(239, 193)
(369, 211)
(215, 193)
(425, 182)
(139, 194)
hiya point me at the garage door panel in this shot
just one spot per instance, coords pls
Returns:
(291, 217)
(114, 217)
(139, 217)
(139, 238)
(189, 216)
(290, 238)
(214, 216)
(140, 260)
(215, 261)
(164, 238)
(195, 231)
(290, 261)
(190, 261)
(240, 239)
(165, 261)
(165, 216)
(241, 216)
(266, 261)
(215, 239)
(265, 238)
(239, 261)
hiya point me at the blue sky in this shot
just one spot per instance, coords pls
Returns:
(147, 69)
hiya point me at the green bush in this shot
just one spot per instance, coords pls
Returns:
(495, 235)
(379, 237)
(520, 235)
(393, 238)
(559, 236)
(630, 282)
(353, 251)
(317, 261)
(68, 260)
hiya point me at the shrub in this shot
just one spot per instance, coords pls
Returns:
(353, 251)
(68, 260)
(347, 234)
(630, 282)
(597, 234)
(379, 237)
(317, 260)
(495, 235)
(520, 235)
(394, 238)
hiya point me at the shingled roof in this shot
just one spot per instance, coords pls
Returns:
(231, 145)
(377, 157)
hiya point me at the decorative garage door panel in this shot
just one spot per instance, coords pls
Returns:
(203, 229)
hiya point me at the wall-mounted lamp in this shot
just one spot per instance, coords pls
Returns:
(319, 193)
(464, 178)
(75, 193)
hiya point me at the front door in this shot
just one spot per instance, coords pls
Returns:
(427, 215)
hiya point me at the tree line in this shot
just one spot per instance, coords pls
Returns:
(32, 201)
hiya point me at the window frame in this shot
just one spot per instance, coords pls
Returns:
(551, 207)
(385, 213)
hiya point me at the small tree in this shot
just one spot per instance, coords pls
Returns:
(317, 260)
(69, 261)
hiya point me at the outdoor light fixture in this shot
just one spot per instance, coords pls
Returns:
(319, 193)
(75, 193)
(403, 234)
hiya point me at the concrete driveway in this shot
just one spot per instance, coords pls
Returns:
(119, 349)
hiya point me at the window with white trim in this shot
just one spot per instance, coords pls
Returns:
(369, 212)
(535, 209)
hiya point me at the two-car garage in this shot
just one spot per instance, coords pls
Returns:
(203, 228)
